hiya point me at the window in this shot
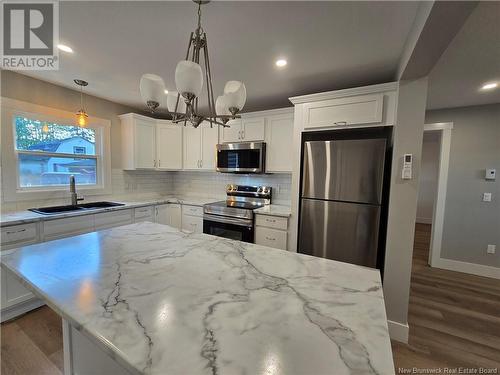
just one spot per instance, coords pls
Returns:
(48, 153)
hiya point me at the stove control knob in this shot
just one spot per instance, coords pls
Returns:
(265, 190)
(259, 190)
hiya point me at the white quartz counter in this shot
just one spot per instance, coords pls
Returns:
(160, 301)
(274, 210)
(25, 216)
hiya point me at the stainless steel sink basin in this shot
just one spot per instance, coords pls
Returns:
(70, 208)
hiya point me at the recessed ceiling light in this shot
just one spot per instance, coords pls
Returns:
(166, 91)
(489, 86)
(281, 63)
(65, 48)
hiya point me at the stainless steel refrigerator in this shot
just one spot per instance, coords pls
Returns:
(341, 199)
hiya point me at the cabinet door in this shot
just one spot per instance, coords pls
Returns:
(354, 110)
(175, 216)
(112, 219)
(161, 212)
(233, 133)
(192, 147)
(13, 292)
(279, 138)
(192, 224)
(253, 129)
(70, 226)
(210, 139)
(169, 146)
(144, 214)
(145, 147)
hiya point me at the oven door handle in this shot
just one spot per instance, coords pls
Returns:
(228, 220)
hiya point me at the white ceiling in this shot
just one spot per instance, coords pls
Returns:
(329, 45)
(471, 59)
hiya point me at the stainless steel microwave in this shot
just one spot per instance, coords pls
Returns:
(243, 157)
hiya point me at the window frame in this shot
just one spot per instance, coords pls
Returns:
(12, 191)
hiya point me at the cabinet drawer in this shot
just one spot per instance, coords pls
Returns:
(143, 213)
(113, 219)
(19, 234)
(192, 210)
(192, 224)
(362, 109)
(270, 237)
(275, 222)
(66, 227)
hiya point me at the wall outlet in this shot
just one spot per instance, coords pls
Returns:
(486, 197)
(491, 249)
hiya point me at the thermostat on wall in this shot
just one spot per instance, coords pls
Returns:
(490, 174)
(406, 173)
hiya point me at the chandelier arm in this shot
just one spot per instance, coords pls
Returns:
(209, 80)
(209, 85)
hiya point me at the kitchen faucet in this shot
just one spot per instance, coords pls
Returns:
(72, 190)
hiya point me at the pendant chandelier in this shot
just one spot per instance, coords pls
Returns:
(81, 115)
(183, 104)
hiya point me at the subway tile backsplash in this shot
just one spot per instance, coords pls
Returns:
(213, 184)
(144, 184)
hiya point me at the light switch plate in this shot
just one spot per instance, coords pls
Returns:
(490, 174)
(491, 249)
(486, 197)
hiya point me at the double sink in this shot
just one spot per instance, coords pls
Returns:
(53, 210)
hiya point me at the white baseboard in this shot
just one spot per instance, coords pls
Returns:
(398, 331)
(472, 268)
(424, 220)
(19, 309)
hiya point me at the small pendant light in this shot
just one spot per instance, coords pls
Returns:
(81, 115)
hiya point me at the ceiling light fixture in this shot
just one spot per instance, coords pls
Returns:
(489, 86)
(281, 63)
(65, 48)
(166, 92)
(189, 77)
(81, 115)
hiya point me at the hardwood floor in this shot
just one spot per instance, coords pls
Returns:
(32, 344)
(454, 318)
(454, 322)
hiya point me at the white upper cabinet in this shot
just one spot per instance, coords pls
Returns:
(192, 147)
(200, 147)
(233, 133)
(246, 129)
(149, 143)
(355, 110)
(279, 139)
(144, 131)
(356, 107)
(252, 129)
(168, 145)
(210, 138)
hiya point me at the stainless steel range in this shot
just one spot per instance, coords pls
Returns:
(233, 218)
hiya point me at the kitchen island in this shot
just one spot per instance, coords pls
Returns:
(148, 299)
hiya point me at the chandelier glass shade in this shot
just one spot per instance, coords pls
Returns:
(190, 76)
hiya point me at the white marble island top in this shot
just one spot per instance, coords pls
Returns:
(165, 302)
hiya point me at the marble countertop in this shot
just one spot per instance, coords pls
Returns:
(161, 301)
(274, 210)
(25, 216)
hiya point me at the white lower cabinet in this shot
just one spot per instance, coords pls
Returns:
(144, 214)
(113, 219)
(12, 291)
(271, 231)
(192, 218)
(65, 227)
(169, 214)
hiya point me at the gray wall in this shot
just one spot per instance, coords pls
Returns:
(429, 169)
(408, 134)
(31, 90)
(470, 224)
